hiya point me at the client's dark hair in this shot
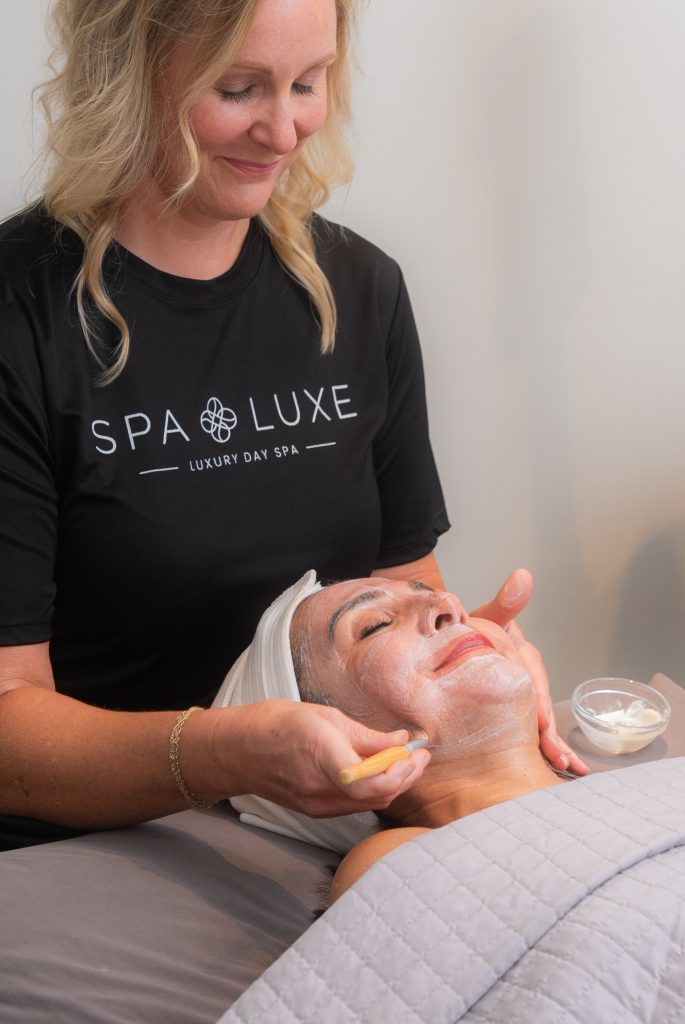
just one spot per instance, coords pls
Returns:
(298, 653)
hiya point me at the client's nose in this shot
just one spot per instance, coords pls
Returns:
(445, 610)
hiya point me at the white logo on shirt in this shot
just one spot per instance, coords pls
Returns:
(218, 420)
(321, 406)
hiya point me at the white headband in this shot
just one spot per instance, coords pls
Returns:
(264, 671)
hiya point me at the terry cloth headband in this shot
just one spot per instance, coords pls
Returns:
(264, 671)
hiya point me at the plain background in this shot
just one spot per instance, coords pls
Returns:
(524, 161)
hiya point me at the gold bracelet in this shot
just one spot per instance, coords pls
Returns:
(193, 801)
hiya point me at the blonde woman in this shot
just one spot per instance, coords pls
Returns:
(205, 389)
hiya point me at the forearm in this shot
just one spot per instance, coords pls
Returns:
(83, 767)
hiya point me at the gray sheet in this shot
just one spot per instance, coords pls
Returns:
(561, 906)
(170, 921)
(165, 923)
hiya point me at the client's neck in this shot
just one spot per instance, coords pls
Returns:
(452, 789)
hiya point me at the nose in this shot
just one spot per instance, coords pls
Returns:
(443, 610)
(274, 128)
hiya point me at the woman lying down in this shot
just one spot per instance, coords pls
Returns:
(394, 655)
(554, 903)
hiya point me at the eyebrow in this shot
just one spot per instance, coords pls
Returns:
(366, 596)
(263, 69)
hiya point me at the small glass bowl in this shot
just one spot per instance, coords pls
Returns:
(608, 712)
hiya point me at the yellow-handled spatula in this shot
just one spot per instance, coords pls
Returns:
(378, 763)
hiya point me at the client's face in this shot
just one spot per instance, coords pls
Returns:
(393, 654)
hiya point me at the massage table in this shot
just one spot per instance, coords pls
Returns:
(197, 917)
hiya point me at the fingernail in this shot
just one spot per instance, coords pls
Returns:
(564, 761)
(513, 597)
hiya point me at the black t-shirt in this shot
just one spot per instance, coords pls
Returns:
(145, 525)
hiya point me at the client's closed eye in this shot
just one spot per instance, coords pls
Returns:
(373, 628)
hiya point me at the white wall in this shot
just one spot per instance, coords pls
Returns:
(23, 52)
(524, 160)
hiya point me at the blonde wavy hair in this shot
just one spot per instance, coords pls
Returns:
(106, 128)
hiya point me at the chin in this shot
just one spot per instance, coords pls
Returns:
(236, 204)
(235, 211)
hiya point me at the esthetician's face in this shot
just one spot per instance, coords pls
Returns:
(253, 123)
(392, 653)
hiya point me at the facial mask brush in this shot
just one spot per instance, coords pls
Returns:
(378, 763)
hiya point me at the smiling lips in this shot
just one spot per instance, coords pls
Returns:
(467, 645)
(253, 169)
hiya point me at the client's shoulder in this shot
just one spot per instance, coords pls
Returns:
(365, 854)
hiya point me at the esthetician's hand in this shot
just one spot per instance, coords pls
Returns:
(510, 600)
(292, 754)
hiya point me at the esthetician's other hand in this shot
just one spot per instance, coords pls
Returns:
(292, 754)
(510, 600)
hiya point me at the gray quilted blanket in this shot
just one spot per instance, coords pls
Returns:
(566, 906)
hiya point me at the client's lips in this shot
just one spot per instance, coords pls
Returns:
(466, 645)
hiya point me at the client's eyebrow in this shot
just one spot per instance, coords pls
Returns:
(418, 585)
(367, 595)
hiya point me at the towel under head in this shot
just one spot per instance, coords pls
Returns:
(264, 671)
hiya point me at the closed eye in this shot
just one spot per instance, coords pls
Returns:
(241, 95)
(373, 628)
(237, 97)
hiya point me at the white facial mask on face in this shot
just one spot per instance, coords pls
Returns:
(388, 681)
(487, 706)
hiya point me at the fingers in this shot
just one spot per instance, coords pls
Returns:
(575, 763)
(372, 794)
(559, 754)
(556, 750)
(510, 600)
(515, 634)
(321, 742)
(370, 741)
(531, 658)
(378, 791)
(387, 782)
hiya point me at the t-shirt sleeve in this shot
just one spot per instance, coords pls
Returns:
(413, 507)
(28, 498)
